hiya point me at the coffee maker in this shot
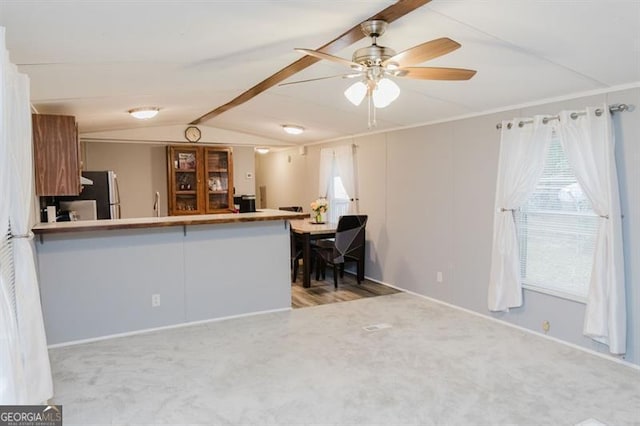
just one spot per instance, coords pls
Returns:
(247, 203)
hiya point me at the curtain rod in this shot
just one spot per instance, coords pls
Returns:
(574, 115)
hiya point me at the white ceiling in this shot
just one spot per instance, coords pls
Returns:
(97, 59)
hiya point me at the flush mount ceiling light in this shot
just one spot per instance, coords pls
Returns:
(262, 149)
(292, 129)
(144, 113)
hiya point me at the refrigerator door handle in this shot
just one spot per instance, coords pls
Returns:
(117, 196)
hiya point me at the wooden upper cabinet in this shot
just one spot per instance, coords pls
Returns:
(56, 154)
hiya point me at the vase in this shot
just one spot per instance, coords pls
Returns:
(318, 217)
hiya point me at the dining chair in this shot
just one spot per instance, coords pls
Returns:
(296, 246)
(348, 246)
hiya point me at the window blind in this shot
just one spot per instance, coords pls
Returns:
(7, 274)
(557, 231)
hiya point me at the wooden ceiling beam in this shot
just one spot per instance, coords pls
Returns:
(390, 14)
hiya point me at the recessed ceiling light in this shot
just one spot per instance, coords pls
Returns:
(262, 149)
(292, 129)
(144, 113)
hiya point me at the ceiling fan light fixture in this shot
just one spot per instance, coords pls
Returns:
(292, 129)
(356, 92)
(385, 92)
(144, 113)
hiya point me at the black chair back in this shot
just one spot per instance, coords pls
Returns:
(297, 209)
(350, 237)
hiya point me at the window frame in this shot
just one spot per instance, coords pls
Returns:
(547, 288)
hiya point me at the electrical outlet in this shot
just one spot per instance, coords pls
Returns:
(155, 300)
(439, 277)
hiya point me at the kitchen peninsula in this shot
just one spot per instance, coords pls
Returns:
(108, 277)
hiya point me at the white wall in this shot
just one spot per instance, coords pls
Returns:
(142, 170)
(243, 164)
(429, 193)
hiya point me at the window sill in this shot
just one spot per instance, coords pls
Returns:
(555, 293)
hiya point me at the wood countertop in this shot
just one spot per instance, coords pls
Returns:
(159, 222)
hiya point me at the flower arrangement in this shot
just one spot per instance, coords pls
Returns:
(319, 207)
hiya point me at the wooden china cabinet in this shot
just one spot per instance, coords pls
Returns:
(200, 179)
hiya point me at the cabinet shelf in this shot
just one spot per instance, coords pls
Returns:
(223, 192)
(218, 171)
(186, 192)
(185, 170)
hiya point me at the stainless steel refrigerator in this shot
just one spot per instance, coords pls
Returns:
(105, 191)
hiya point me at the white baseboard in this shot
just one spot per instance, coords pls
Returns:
(165, 327)
(518, 327)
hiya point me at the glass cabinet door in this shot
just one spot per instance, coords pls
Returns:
(184, 182)
(219, 180)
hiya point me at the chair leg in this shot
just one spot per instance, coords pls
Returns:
(294, 270)
(342, 270)
(360, 269)
(335, 276)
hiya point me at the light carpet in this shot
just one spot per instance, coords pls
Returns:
(435, 366)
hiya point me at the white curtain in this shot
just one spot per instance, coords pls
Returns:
(30, 373)
(346, 170)
(338, 161)
(326, 171)
(522, 156)
(11, 374)
(588, 143)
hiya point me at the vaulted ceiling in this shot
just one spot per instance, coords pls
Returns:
(97, 59)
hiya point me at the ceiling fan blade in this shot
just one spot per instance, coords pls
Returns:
(423, 52)
(433, 73)
(328, 57)
(389, 14)
(322, 78)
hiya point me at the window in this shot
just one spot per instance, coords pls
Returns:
(337, 179)
(338, 200)
(557, 232)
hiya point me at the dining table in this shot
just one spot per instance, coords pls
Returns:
(305, 231)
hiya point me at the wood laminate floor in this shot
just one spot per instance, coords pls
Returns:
(322, 292)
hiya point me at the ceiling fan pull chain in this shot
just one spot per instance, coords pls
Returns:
(369, 112)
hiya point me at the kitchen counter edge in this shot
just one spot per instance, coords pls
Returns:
(165, 221)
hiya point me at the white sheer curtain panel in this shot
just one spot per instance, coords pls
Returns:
(326, 171)
(346, 170)
(35, 384)
(11, 372)
(588, 142)
(521, 162)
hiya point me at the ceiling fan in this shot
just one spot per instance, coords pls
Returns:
(374, 64)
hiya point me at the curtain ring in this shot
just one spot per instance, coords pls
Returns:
(545, 120)
(502, 209)
(604, 216)
(574, 115)
(598, 112)
(509, 126)
(521, 124)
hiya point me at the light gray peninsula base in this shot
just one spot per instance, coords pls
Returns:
(101, 283)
